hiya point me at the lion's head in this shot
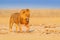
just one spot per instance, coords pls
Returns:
(25, 12)
(24, 15)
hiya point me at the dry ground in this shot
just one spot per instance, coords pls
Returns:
(42, 28)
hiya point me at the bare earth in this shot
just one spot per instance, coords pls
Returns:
(42, 28)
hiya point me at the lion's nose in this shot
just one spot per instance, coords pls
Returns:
(27, 19)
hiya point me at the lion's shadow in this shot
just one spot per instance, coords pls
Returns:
(30, 31)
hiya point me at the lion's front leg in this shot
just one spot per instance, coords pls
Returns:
(27, 26)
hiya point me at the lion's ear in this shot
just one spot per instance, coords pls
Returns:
(27, 10)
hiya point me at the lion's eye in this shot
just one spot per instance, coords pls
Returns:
(23, 12)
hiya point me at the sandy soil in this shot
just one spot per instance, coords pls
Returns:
(40, 29)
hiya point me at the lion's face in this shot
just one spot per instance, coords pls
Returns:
(24, 15)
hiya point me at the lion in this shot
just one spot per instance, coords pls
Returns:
(21, 18)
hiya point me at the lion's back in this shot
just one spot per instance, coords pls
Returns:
(14, 18)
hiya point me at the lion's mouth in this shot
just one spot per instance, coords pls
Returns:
(27, 19)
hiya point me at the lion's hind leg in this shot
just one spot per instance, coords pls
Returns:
(20, 27)
(10, 27)
(11, 24)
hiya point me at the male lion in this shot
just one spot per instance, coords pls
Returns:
(19, 19)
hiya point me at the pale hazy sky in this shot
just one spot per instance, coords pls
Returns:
(29, 4)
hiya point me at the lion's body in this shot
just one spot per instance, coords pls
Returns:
(20, 18)
(15, 18)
